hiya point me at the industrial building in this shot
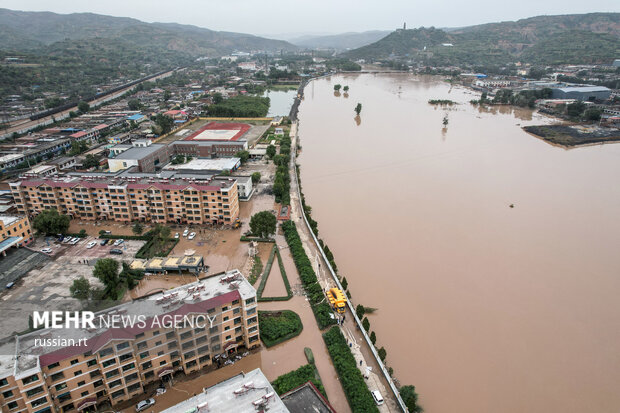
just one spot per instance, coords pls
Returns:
(142, 153)
(181, 331)
(583, 93)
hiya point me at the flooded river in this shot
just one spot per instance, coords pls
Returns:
(492, 257)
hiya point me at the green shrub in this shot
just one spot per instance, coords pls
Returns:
(359, 397)
(296, 378)
(278, 326)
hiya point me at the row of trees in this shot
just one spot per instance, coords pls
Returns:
(114, 282)
(241, 107)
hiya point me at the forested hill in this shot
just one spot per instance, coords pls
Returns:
(579, 38)
(73, 53)
(31, 30)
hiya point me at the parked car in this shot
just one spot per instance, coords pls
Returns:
(176, 235)
(46, 250)
(144, 404)
(103, 242)
(377, 396)
(107, 232)
(67, 240)
(119, 242)
(10, 285)
(91, 244)
(191, 236)
(75, 240)
(185, 232)
(116, 251)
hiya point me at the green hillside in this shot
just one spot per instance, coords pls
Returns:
(587, 38)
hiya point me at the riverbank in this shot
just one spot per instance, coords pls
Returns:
(570, 136)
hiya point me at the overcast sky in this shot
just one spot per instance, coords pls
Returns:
(271, 17)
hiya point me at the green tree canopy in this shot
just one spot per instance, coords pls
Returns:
(271, 151)
(83, 107)
(358, 108)
(49, 221)
(164, 122)
(243, 155)
(337, 87)
(134, 104)
(256, 177)
(410, 397)
(137, 228)
(263, 224)
(106, 270)
(80, 289)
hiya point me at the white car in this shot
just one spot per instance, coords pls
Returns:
(176, 235)
(377, 396)
(185, 232)
(191, 236)
(91, 244)
(75, 240)
(144, 404)
(46, 250)
(119, 242)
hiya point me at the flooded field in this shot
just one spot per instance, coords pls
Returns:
(281, 101)
(490, 255)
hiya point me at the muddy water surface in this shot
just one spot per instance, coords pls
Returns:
(483, 306)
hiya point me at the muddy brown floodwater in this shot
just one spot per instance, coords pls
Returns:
(482, 306)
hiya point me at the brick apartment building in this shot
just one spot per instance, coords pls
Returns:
(114, 364)
(14, 231)
(192, 199)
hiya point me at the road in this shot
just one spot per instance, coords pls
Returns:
(27, 124)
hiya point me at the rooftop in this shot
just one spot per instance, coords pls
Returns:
(196, 297)
(8, 219)
(139, 152)
(207, 164)
(245, 393)
(220, 132)
(306, 399)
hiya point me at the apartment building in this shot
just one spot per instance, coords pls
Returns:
(179, 198)
(114, 364)
(14, 231)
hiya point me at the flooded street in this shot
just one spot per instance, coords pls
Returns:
(490, 255)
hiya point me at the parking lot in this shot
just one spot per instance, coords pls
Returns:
(49, 284)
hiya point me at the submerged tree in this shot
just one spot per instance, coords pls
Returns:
(358, 109)
(337, 87)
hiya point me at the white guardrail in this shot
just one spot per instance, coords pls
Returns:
(386, 374)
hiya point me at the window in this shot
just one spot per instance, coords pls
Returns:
(39, 402)
(77, 373)
(81, 383)
(170, 335)
(189, 354)
(4, 382)
(118, 393)
(148, 375)
(125, 357)
(123, 345)
(144, 355)
(190, 364)
(74, 361)
(7, 394)
(12, 405)
(108, 351)
(129, 366)
(186, 335)
(57, 376)
(85, 393)
(131, 377)
(250, 301)
(91, 362)
(147, 365)
(112, 373)
(162, 363)
(108, 363)
(51, 366)
(115, 383)
(204, 359)
(155, 333)
(30, 379)
(60, 386)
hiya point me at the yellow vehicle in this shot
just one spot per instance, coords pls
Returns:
(236, 224)
(337, 299)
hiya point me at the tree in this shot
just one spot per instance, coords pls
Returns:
(592, 114)
(91, 161)
(574, 110)
(271, 151)
(106, 270)
(137, 228)
(263, 224)
(382, 353)
(243, 155)
(373, 338)
(83, 107)
(256, 177)
(345, 283)
(82, 233)
(358, 109)
(359, 310)
(167, 95)
(410, 397)
(346, 88)
(78, 147)
(49, 221)
(80, 289)
(164, 122)
(366, 324)
(217, 98)
(337, 87)
(134, 104)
